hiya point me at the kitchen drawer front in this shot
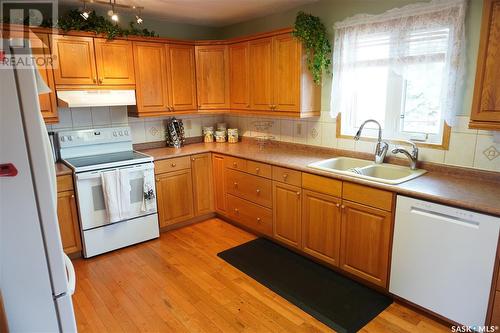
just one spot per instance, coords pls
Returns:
(323, 185)
(65, 183)
(287, 176)
(235, 163)
(172, 164)
(253, 216)
(368, 196)
(259, 169)
(249, 187)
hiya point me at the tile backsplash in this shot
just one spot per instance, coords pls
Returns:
(468, 148)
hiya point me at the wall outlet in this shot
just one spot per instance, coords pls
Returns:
(299, 129)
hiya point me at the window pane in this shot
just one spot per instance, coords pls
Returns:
(422, 100)
(370, 95)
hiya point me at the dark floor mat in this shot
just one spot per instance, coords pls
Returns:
(340, 303)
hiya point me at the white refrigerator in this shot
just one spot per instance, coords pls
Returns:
(36, 278)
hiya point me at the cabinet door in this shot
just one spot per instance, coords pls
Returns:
(219, 184)
(321, 217)
(48, 103)
(75, 60)
(365, 238)
(175, 196)
(115, 62)
(201, 167)
(68, 222)
(287, 227)
(212, 77)
(151, 77)
(182, 77)
(261, 80)
(239, 76)
(286, 73)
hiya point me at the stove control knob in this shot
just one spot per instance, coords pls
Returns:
(126, 132)
(70, 138)
(121, 133)
(63, 138)
(115, 134)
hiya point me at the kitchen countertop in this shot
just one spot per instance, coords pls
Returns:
(464, 191)
(62, 169)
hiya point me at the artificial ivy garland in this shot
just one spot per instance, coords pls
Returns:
(100, 25)
(312, 33)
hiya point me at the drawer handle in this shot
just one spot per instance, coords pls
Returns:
(235, 164)
(72, 196)
(173, 165)
(259, 220)
(285, 176)
(192, 159)
(337, 205)
(157, 180)
(235, 184)
(237, 211)
(342, 206)
(298, 194)
(257, 170)
(258, 191)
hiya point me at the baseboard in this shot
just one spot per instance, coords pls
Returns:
(193, 220)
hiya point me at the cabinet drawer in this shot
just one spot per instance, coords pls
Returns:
(65, 183)
(259, 169)
(368, 196)
(287, 176)
(249, 187)
(253, 216)
(172, 164)
(322, 184)
(235, 163)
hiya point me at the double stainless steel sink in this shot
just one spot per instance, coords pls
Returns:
(354, 167)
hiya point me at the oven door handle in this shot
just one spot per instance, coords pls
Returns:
(97, 174)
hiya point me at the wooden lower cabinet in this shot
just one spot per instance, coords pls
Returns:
(174, 196)
(201, 167)
(321, 219)
(68, 222)
(365, 242)
(253, 216)
(218, 167)
(287, 213)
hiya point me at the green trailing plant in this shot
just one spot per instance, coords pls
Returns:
(312, 33)
(99, 25)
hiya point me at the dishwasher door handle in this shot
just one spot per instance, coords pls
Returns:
(445, 217)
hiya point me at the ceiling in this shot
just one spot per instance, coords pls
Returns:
(215, 13)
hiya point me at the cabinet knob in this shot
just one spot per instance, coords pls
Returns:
(298, 194)
(192, 158)
(100, 81)
(172, 108)
(259, 220)
(173, 165)
(235, 184)
(72, 196)
(236, 210)
(285, 176)
(157, 180)
(337, 205)
(248, 105)
(235, 164)
(258, 191)
(342, 206)
(95, 80)
(257, 170)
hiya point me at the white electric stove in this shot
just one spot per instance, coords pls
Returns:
(90, 154)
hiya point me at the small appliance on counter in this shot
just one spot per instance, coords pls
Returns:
(175, 133)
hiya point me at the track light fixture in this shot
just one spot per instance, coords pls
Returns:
(138, 16)
(85, 13)
(112, 12)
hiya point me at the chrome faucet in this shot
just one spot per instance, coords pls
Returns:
(412, 157)
(382, 146)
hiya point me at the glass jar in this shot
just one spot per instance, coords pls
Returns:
(232, 135)
(208, 134)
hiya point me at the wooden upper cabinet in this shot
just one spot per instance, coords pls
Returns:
(48, 103)
(485, 112)
(365, 237)
(261, 74)
(181, 77)
(115, 62)
(286, 73)
(201, 166)
(151, 79)
(287, 216)
(239, 75)
(212, 77)
(75, 60)
(321, 218)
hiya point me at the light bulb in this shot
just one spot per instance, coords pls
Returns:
(114, 17)
(138, 19)
(85, 14)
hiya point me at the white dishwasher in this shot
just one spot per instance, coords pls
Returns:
(443, 258)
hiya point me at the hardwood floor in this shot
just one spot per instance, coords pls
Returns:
(178, 284)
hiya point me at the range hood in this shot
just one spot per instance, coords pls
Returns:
(86, 98)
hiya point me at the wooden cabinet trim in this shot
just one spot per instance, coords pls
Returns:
(322, 184)
(287, 205)
(172, 164)
(368, 196)
(287, 176)
(201, 167)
